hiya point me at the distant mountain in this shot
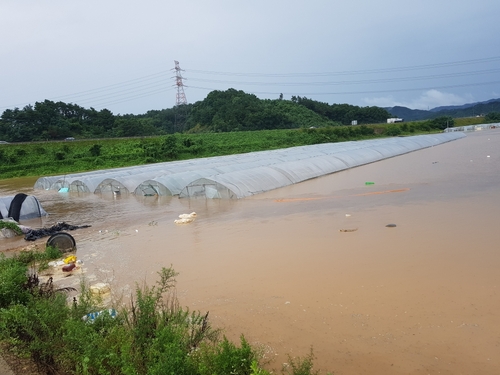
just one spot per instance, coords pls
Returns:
(463, 106)
(465, 110)
(408, 114)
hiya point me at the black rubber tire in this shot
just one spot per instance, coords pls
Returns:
(63, 241)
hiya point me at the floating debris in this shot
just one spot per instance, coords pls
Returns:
(68, 268)
(391, 225)
(100, 288)
(186, 218)
(348, 230)
(90, 317)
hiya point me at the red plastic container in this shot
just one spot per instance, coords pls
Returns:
(69, 267)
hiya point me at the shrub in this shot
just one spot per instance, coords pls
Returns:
(300, 366)
(154, 336)
(59, 155)
(95, 150)
(225, 358)
(392, 130)
(36, 328)
(12, 279)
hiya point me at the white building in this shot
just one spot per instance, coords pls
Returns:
(393, 120)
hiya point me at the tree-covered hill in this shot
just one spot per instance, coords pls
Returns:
(220, 111)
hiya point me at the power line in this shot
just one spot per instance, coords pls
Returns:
(371, 91)
(355, 72)
(366, 81)
(129, 98)
(154, 83)
(116, 86)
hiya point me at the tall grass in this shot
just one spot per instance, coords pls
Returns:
(46, 158)
(154, 335)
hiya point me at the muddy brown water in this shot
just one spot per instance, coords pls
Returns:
(418, 298)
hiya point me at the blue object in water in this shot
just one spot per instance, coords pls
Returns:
(63, 190)
(90, 317)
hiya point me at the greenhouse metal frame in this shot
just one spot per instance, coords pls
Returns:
(241, 175)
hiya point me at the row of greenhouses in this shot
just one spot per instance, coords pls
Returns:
(241, 175)
(473, 128)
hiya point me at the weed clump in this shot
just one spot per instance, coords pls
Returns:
(153, 335)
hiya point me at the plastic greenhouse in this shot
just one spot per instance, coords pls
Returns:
(21, 207)
(241, 175)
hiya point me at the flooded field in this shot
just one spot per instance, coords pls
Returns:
(315, 265)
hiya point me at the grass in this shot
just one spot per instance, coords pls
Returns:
(152, 335)
(466, 121)
(11, 225)
(49, 158)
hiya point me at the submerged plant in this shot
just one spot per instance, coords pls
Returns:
(11, 225)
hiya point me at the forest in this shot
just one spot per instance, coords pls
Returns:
(220, 111)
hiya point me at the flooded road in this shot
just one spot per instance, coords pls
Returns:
(314, 264)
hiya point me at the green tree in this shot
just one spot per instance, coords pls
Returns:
(492, 117)
(441, 122)
(128, 127)
(169, 146)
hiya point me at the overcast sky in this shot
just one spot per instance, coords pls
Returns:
(119, 54)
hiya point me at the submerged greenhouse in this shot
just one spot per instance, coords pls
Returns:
(241, 175)
(21, 207)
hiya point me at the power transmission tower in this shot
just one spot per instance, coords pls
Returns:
(180, 100)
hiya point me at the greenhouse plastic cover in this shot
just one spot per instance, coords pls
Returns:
(21, 207)
(241, 175)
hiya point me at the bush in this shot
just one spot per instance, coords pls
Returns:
(300, 366)
(12, 279)
(95, 150)
(154, 336)
(393, 130)
(36, 328)
(59, 155)
(41, 258)
(225, 358)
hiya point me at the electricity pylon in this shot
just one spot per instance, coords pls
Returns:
(180, 100)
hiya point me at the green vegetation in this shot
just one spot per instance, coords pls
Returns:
(11, 225)
(492, 117)
(220, 111)
(39, 159)
(466, 121)
(225, 122)
(13, 274)
(154, 335)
